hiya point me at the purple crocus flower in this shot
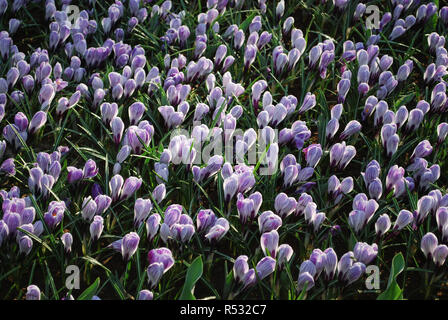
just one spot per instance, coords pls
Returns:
(129, 245)
(269, 243)
(429, 244)
(55, 213)
(96, 228)
(160, 261)
(67, 241)
(32, 292)
(265, 267)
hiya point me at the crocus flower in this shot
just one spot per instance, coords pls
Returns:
(309, 102)
(152, 225)
(440, 254)
(129, 245)
(355, 272)
(142, 208)
(305, 280)
(382, 224)
(428, 244)
(38, 121)
(55, 213)
(96, 227)
(265, 267)
(32, 292)
(240, 267)
(269, 221)
(365, 253)
(404, 218)
(218, 230)
(269, 243)
(330, 263)
(248, 207)
(284, 205)
(145, 295)
(67, 241)
(160, 261)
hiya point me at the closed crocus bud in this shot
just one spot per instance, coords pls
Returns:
(205, 219)
(103, 203)
(348, 155)
(4, 231)
(249, 56)
(240, 268)
(280, 9)
(130, 186)
(346, 185)
(159, 193)
(422, 150)
(249, 279)
(309, 102)
(38, 121)
(25, 245)
(74, 174)
(218, 231)
(345, 264)
(382, 224)
(330, 263)
(129, 245)
(21, 121)
(32, 292)
(351, 128)
(269, 221)
(429, 244)
(117, 127)
(136, 111)
(145, 295)
(442, 217)
(108, 111)
(152, 225)
(8, 167)
(284, 205)
(265, 267)
(375, 189)
(90, 170)
(96, 228)
(414, 120)
(305, 280)
(403, 72)
(155, 272)
(365, 253)
(313, 153)
(424, 206)
(355, 272)
(401, 116)
(442, 131)
(397, 31)
(284, 254)
(269, 243)
(392, 145)
(359, 11)
(46, 96)
(67, 241)
(343, 87)
(331, 128)
(440, 254)
(230, 187)
(333, 186)
(142, 208)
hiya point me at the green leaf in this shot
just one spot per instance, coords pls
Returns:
(194, 273)
(393, 290)
(90, 291)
